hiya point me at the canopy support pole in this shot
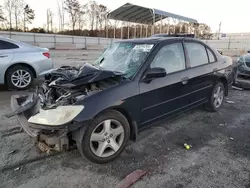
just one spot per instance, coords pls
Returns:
(106, 26)
(161, 25)
(153, 24)
(180, 26)
(135, 31)
(191, 28)
(153, 32)
(174, 24)
(141, 32)
(147, 31)
(128, 30)
(168, 25)
(122, 30)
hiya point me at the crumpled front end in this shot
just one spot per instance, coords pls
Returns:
(48, 138)
(48, 113)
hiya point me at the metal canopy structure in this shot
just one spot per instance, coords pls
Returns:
(143, 15)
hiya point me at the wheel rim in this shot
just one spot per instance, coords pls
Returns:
(218, 96)
(21, 78)
(107, 138)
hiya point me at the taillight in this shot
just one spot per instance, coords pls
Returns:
(47, 54)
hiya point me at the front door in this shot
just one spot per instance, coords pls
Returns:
(162, 97)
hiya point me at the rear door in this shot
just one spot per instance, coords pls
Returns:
(201, 71)
(6, 54)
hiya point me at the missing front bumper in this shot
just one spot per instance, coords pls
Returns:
(47, 138)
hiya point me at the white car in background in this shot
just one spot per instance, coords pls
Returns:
(21, 63)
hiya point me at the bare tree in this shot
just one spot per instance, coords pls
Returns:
(1, 14)
(61, 13)
(80, 18)
(102, 16)
(93, 13)
(49, 20)
(92, 10)
(9, 5)
(203, 31)
(17, 10)
(2, 18)
(28, 16)
(73, 7)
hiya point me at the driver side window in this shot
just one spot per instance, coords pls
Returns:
(170, 57)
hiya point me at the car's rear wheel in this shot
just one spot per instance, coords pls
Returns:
(216, 98)
(105, 138)
(19, 77)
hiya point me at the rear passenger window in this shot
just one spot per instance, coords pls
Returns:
(197, 54)
(170, 57)
(210, 55)
(7, 45)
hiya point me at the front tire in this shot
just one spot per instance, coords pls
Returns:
(105, 138)
(19, 77)
(216, 99)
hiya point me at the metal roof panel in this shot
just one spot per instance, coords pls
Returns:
(138, 14)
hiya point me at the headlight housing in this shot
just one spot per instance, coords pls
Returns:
(55, 117)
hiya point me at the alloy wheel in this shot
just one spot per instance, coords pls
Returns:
(21, 78)
(218, 97)
(107, 138)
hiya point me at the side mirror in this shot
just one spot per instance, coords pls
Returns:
(156, 72)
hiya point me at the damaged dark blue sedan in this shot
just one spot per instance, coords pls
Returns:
(133, 84)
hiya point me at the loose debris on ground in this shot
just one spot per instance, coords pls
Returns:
(237, 88)
(230, 102)
(132, 178)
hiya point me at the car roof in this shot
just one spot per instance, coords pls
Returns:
(155, 40)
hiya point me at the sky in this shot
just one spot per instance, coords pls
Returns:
(232, 14)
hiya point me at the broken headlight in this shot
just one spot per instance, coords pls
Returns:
(55, 117)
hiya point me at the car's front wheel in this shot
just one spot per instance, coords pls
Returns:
(216, 99)
(19, 77)
(105, 138)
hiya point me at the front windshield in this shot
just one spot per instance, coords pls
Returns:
(124, 57)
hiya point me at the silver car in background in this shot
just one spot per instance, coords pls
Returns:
(21, 63)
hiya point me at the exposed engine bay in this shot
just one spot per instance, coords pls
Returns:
(67, 85)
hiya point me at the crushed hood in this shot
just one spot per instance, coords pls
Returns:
(70, 77)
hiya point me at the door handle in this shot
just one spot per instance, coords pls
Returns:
(3, 56)
(184, 80)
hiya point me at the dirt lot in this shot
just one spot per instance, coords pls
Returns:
(219, 157)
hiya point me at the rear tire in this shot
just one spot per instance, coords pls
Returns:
(13, 75)
(216, 99)
(98, 136)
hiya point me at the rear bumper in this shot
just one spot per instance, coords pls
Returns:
(43, 65)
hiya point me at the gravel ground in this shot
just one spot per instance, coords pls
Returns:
(219, 156)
